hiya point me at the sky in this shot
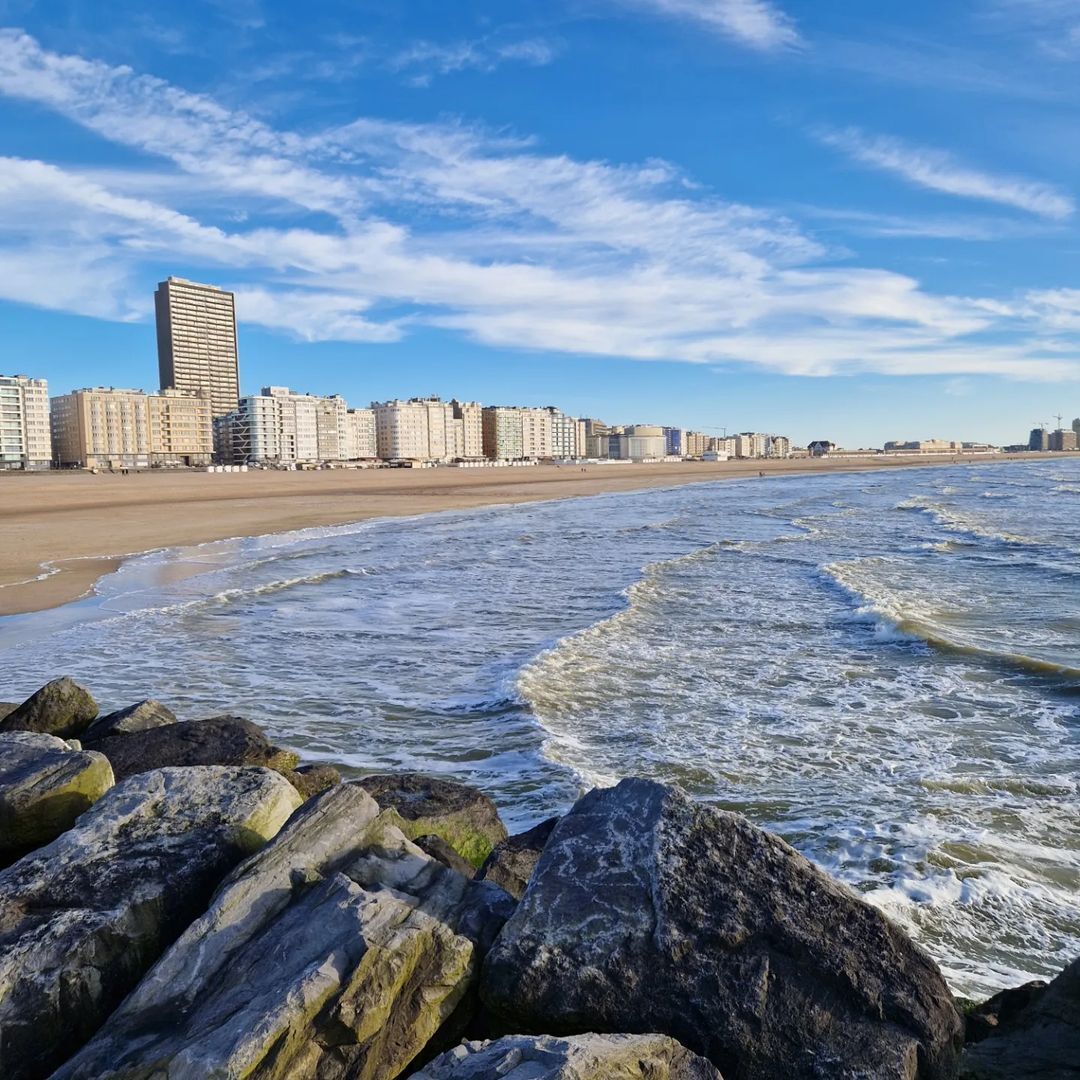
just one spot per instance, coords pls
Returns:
(845, 220)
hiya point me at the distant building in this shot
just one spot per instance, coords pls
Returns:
(638, 442)
(674, 439)
(420, 429)
(924, 446)
(695, 443)
(821, 448)
(504, 437)
(196, 337)
(1063, 439)
(536, 441)
(110, 428)
(1039, 439)
(471, 416)
(1076, 426)
(25, 438)
(565, 432)
(777, 446)
(360, 439)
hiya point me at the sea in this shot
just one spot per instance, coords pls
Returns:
(882, 667)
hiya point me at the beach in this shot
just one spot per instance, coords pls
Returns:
(63, 531)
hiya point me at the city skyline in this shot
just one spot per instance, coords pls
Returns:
(754, 215)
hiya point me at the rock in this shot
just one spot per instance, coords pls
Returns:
(221, 740)
(464, 817)
(983, 1020)
(84, 917)
(1040, 1041)
(61, 707)
(511, 862)
(648, 912)
(336, 951)
(7, 707)
(438, 848)
(44, 787)
(579, 1057)
(140, 717)
(311, 780)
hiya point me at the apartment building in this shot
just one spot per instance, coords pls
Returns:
(196, 338)
(25, 436)
(695, 443)
(470, 415)
(1063, 439)
(567, 434)
(111, 428)
(420, 429)
(638, 442)
(503, 433)
(360, 441)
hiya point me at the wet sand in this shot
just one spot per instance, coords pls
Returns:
(60, 532)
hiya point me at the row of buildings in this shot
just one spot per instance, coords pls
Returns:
(199, 417)
(1060, 439)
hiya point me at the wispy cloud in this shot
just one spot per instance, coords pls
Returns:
(1053, 25)
(425, 59)
(939, 171)
(758, 24)
(448, 226)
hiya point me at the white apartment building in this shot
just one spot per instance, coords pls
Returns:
(106, 427)
(536, 434)
(420, 429)
(567, 435)
(360, 441)
(25, 437)
(470, 414)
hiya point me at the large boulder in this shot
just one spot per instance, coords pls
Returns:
(464, 817)
(84, 917)
(513, 860)
(578, 1057)
(138, 717)
(7, 707)
(44, 787)
(61, 707)
(1039, 1040)
(220, 740)
(312, 780)
(651, 913)
(338, 950)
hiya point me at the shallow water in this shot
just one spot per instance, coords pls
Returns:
(882, 667)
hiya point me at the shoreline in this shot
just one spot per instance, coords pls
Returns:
(64, 531)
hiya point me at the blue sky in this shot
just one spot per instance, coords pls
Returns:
(842, 220)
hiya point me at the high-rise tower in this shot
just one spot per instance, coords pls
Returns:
(196, 333)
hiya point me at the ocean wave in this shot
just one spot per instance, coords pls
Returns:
(907, 616)
(955, 520)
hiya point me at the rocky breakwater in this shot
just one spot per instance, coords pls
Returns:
(196, 903)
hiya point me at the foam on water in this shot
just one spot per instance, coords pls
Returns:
(895, 692)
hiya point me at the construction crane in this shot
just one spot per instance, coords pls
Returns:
(1058, 417)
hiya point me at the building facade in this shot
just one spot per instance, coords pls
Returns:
(503, 433)
(420, 429)
(470, 414)
(25, 435)
(360, 440)
(1039, 439)
(196, 338)
(1063, 439)
(110, 428)
(564, 435)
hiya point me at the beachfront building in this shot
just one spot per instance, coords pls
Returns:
(503, 433)
(674, 439)
(196, 339)
(360, 441)
(638, 442)
(1063, 439)
(567, 435)
(1076, 427)
(420, 429)
(695, 443)
(924, 446)
(111, 428)
(1039, 439)
(777, 446)
(281, 427)
(25, 438)
(469, 444)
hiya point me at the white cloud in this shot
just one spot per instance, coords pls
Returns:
(758, 24)
(447, 226)
(938, 171)
(427, 58)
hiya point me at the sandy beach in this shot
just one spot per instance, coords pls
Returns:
(60, 532)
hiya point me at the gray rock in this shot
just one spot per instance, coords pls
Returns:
(648, 912)
(139, 717)
(464, 817)
(220, 740)
(1040, 1041)
(7, 707)
(44, 787)
(1001, 1010)
(84, 917)
(61, 707)
(336, 951)
(578, 1057)
(512, 862)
